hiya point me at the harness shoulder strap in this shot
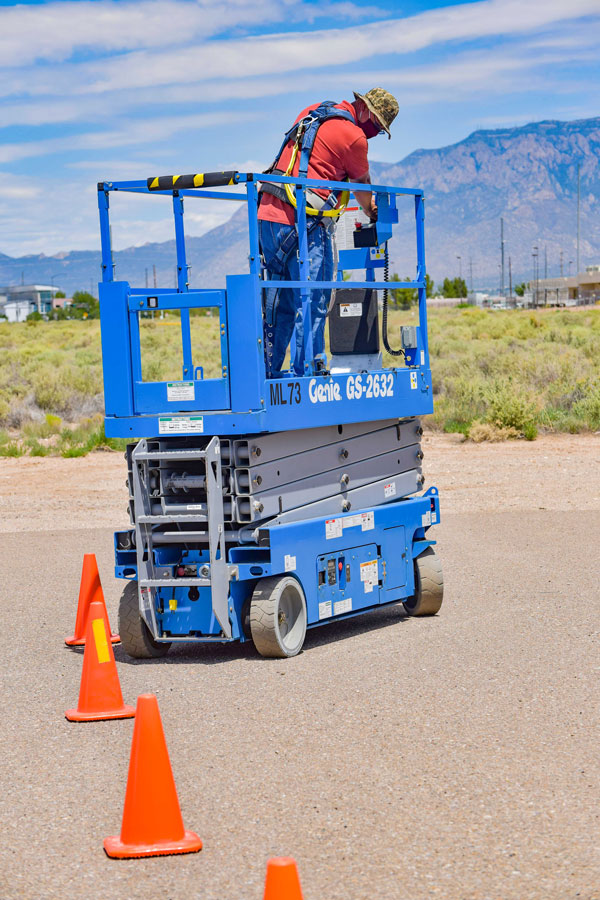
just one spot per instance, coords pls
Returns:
(325, 111)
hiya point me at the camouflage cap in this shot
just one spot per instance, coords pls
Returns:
(383, 104)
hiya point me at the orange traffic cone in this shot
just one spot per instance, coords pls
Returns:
(152, 823)
(100, 694)
(90, 591)
(282, 881)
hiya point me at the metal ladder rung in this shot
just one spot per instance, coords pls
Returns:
(199, 517)
(171, 454)
(174, 582)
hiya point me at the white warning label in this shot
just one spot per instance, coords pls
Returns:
(342, 606)
(180, 390)
(290, 563)
(333, 528)
(325, 609)
(426, 518)
(181, 424)
(366, 521)
(369, 575)
(413, 381)
(389, 490)
(350, 309)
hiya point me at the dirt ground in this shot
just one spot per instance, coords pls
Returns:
(38, 493)
(454, 757)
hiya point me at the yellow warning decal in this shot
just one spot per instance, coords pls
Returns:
(198, 180)
(100, 640)
(175, 177)
(154, 184)
(173, 604)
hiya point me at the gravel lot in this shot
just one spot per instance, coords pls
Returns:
(455, 757)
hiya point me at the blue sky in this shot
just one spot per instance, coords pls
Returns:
(112, 89)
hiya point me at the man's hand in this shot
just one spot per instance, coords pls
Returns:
(366, 198)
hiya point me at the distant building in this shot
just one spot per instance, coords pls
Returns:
(22, 299)
(59, 302)
(571, 290)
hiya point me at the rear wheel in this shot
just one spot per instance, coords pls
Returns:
(278, 616)
(429, 586)
(136, 639)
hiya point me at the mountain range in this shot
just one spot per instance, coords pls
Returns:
(526, 175)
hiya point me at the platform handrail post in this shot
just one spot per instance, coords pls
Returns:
(303, 315)
(105, 240)
(421, 274)
(183, 285)
(254, 241)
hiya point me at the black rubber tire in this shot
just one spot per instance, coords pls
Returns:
(136, 639)
(276, 602)
(429, 586)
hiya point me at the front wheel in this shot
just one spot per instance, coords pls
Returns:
(278, 616)
(429, 586)
(136, 639)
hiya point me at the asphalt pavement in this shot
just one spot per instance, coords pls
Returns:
(452, 757)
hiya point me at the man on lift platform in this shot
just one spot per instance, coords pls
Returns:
(327, 141)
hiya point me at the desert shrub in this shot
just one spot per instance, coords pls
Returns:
(485, 431)
(508, 406)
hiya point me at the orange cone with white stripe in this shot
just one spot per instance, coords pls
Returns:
(282, 881)
(100, 694)
(90, 591)
(152, 823)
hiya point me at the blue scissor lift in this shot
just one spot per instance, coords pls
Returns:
(262, 506)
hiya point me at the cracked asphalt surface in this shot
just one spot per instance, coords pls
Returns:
(455, 757)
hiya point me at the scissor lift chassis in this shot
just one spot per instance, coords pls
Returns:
(259, 491)
(213, 517)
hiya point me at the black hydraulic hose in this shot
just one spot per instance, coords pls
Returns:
(384, 315)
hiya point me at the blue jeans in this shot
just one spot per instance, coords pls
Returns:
(287, 308)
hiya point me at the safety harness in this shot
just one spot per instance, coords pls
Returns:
(303, 133)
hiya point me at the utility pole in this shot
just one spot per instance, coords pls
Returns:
(502, 255)
(578, 210)
(471, 271)
(146, 270)
(459, 258)
(509, 278)
(154, 274)
(535, 275)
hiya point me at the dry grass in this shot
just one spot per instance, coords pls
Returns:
(496, 374)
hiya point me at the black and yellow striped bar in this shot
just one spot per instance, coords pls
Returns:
(181, 182)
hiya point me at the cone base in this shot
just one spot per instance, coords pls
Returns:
(115, 848)
(126, 712)
(80, 642)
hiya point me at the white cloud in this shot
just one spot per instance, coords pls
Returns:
(158, 129)
(17, 187)
(276, 54)
(245, 59)
(55, 31)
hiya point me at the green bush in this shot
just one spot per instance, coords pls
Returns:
(507, 406)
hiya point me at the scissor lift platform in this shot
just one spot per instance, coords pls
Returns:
(262, 506)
